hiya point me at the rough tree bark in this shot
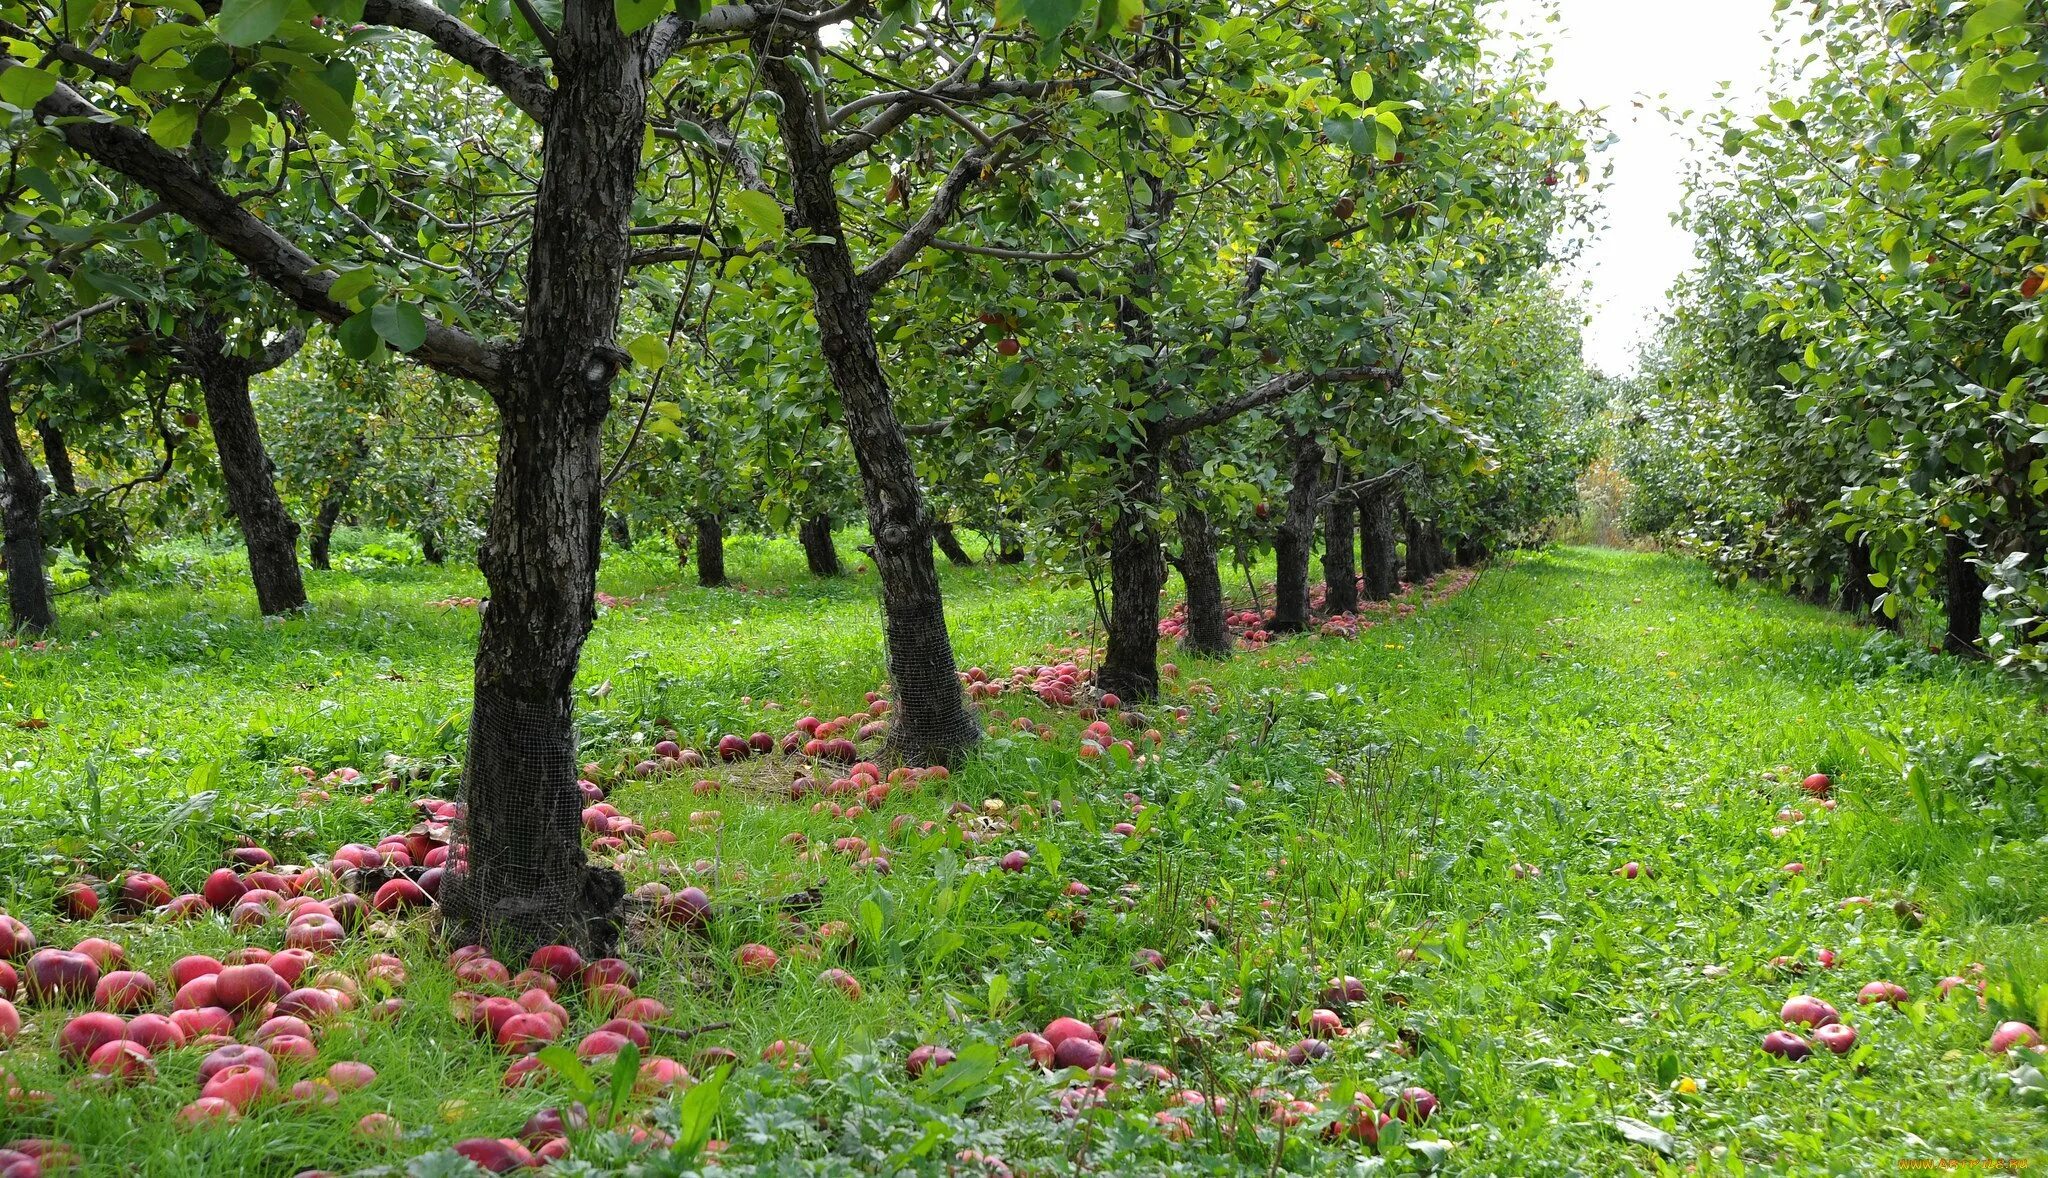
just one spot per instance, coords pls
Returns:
(1962, 598)
(1425, 550)
(815, 534)
(1207, 633)
(932, 723)
(269, 533)
(21, 525)
(525, 879)
(1378, 546)
(1137, 572)
(64, 478)
(1340, 528)
(1859, 596)
(1295, 537)
(949, 543)
(710, 550)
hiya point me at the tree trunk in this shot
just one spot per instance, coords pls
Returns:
(1009, 550)
(1963, 598)
(949, 543)
(331, 504)
(932, 723)
(621, 531)
(1470, 552)
(1137, 572)
(1295, 537)
(1207, 633)
(1425, 550)
(710, 550)
(1378, 551)
(522, 879)
(815, 534)
(268, 530)
(21, 525)
(64, 477)
(1859, 595)
(1340, 527)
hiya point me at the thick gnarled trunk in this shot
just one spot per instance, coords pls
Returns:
(1378, 546)
(932, 723)
(523, 879)
(1295, 537)
(815, 534)
(1340, 531)
(268, 530)
(21, 526)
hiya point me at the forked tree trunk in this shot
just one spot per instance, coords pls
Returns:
(621, 531)
(1207, 633)
(1295, 537)
(815, 534)
(524, 880)
(21, 525)
(949, 543)
(1962, 598)
(1137, 572)
(932, 723)
(268, 530)
(1379, 553)
(710, 550)
(1340, 529)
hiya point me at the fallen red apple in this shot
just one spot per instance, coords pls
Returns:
(223, 889)
(1836, 1037)
(1817, 784)
(756, 958)
(124, 990)
(2009, 1035)
(927, 1057)
(207, 1110)
(240, 1085)
(497, 1155)
(1804, 1010)
(1786, 1045)
(400, 894)
(10, 1022)
(104, 953)
(842, 981)
(139, 891)
(88, 1033)
(1882, 991)
(60, 974)
(1077, 1052)
(123, 1060)
(78, 900)
(184, 969)
(239, 989)
(16, 941)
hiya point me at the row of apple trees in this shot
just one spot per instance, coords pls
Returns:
(1848, 399)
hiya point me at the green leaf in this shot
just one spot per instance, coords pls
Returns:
(24, 86)
(762, 211)
(1050, 18)
(245, 22)
(1361, 86)
(697, 1113)
(648, 351)
(625, 1072)
(1879, 431)
(1995, 17)
(570, 1068)
(690, 10)
(358, 336)
(401, 325)
(351, 283)
(634, 15)
(173, 126)
(330, 106)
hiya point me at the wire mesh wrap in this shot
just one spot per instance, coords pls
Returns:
(517, 876)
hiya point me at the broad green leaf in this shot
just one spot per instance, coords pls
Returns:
(1050, 18)
(762, 211)
(351, 283)
(634, 15)
(1995, 17)
(357, 336)
(331, 109)
(245, 22)
(24, 86)
(1361, 86)
(400, 324)
(648, 351)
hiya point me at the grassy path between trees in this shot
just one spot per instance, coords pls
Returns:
(1437, 808)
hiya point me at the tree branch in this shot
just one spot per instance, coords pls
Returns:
(279, 350)
(267, 254)
(944, 206)
(901, 104)
(1277, 389)
(526, 85)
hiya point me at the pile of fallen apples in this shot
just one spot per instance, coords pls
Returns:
(1824, 1022)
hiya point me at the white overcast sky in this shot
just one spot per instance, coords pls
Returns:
(1631, 58)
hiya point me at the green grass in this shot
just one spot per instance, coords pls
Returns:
(1350, 805)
